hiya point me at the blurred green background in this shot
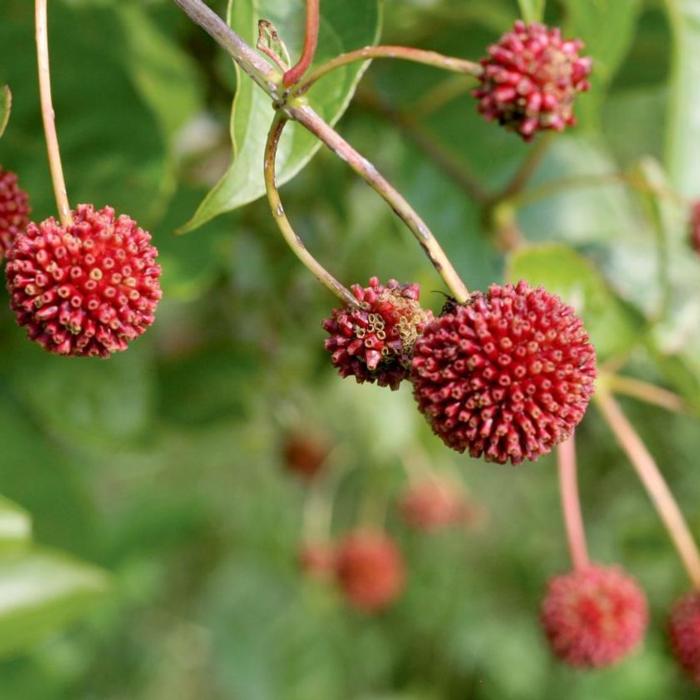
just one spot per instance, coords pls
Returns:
(165, 526)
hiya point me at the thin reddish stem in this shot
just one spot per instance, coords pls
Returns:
(405, 53)
(571, 504)
(655, 484)
(48, 115)
(313, 21)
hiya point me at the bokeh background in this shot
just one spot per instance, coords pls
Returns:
(163, 559)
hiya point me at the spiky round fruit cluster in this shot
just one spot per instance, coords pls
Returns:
(594, 616)
(694, 227)
(531, 78)
(88, 288)
(434, 504)
(14, 210)
(304, 454)
(373, 341)
(684, 634)
(370, 570)
(508, 375)
(317, 559)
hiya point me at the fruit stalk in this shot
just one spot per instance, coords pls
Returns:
(654, 482)
(405, 53)
(571, 504)
(48, 114)
(290, 236)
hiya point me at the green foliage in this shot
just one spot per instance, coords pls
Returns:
(165, 465)
(40, 590)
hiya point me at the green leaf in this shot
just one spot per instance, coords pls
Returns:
(15, 525)
(532, 10)
(683, 126)
(607, 28)
(165, 75)
(40, 592)
(5, 107)
(344, 26)
(613, 327)
(101, 402)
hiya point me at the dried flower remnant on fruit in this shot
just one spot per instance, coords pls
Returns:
(593, 617)
(370, 570)
(434, 504)
(694, 227)
(86, 289)
(684, 634)
(374, 341)
(317, 560)
(304, 454)
(531, 79)
(14, 210)
(506, 376)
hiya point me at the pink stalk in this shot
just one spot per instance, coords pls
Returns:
(571, 505)
(655, 484)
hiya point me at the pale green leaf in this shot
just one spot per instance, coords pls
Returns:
(15, 525)
(344, 26)
(532, 10)
(5, 107)
(683, 125)
(41, 591)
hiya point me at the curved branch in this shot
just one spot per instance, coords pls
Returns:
(293, 239)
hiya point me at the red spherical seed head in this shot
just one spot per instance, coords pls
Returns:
(684, 633)
(14, 210)
(370, 570)
(373, 342)
(434, 504)
(531, 78)
(694, 227)
(594, 616)
(508, 375)
(317, 560)
(304, 455)
(84, 289)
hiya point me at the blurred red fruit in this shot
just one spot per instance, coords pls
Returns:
(370, 570)
(305, 455)
(593, 617)
(14, 210)
(434, 504)
(684, 633)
